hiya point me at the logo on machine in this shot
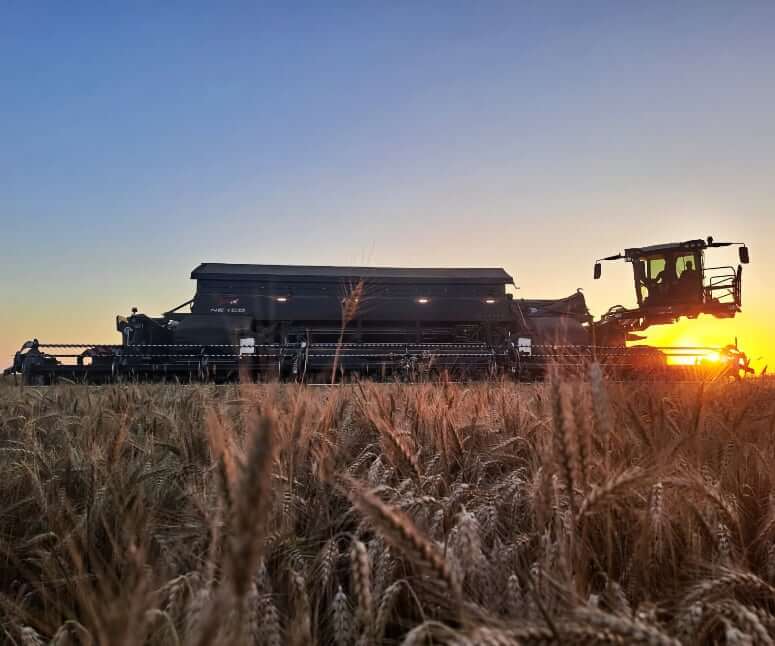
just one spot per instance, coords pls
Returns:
(227, 305)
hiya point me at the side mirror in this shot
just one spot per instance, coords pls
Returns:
(743, 252)
(598, 270)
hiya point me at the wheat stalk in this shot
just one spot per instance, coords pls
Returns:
(252, 505)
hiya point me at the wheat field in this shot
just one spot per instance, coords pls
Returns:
(567, 513)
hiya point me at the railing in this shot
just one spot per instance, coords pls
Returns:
(721, 287)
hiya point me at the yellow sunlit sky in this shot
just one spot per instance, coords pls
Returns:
(140, 141)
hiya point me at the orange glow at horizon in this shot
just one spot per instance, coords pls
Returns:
(710, 335)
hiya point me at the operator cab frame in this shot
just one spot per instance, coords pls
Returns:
(673, 280)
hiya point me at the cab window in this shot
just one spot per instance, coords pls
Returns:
(655, 267)
(650, 273)
(682, 263)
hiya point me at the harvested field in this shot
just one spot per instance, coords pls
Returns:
(573, 513)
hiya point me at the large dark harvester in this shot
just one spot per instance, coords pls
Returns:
(320, 323)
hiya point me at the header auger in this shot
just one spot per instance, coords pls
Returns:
(325, 323)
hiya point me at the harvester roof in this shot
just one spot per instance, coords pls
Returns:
(688, 245)
(477, 275)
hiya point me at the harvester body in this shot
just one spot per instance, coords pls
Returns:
(322, 323)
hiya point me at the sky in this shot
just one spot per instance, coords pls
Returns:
(138, 140)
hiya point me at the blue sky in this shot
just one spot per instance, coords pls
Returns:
(138, 140)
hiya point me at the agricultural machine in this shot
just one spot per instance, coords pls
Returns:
(318, 323)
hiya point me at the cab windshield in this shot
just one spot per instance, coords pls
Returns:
(669, 278)
(655, 269)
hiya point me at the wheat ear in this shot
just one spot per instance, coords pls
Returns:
(400, 532)
(362, 584)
